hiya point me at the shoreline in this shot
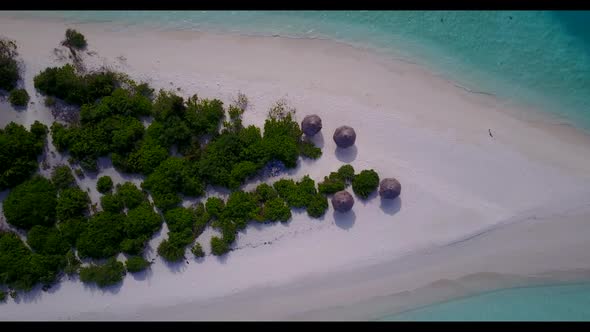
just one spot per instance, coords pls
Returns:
(423, 141)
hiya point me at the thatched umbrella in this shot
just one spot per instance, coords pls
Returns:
(389, 188)
(342, 201)
(344, 136)
(311, 125)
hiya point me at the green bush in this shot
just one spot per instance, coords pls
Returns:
(2, 296)
(31, 203)
(136, 264)
(265, 192)
(47, 240)
(297, 195)
(179, 219)
(103, 275)
(134, 246)
(142, 221)
(331, 184)
(215, 206)
(102, 236)
(365, 183)
(72, 203)
(318, 205)
(71, 229)
(111, 203)
(72, 263)
(9, 73)
(19, 97)
(309, 150)
(240, 208)
(346, 173)
(19, 149)
(276, 209)
(144, 160)
(218, 246)
(174, 247)
(130, 195)
(75, 39)
(197, 250)
(104, 184)
(62, 177)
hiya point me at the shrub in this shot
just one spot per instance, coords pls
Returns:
(71, 229)
(19, 149)
(215, 206)
(317, 206)
(2, 296)
(240, 208)
(72, 263)
(9, 73)
(346, 173)
(265, 192)
(143, 160)
(197, 250)
(107, 274)
(276, 209)
(179, 219)
(102, 236)
(130, 195)
(31, 203)
(331, 184)
(218, 246)
(365, 183)
(19, 97)
(173, 248)
(47, 240)
(136, 264)
(104, 184)
(142, 221)
(75, 39)
(297, 195)
(134, 246)
(309, 150)
(62, 177)
(204, 116)
(72, 203)
(111, 203)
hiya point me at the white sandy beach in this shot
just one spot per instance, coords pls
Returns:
(475, 212)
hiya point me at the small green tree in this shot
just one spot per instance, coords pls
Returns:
(19, 97)
(75, 39)
(197, 250)
(218, 246)
(107, 274)
(365, 183)
(104, 184)
(62, 177)
(136, 264)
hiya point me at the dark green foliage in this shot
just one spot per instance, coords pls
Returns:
(71, 229)
(19, 149)
(204, 116)
(102, 236)
(19, 97)
(72, 263)
(21, 269)
(72, 203)
(346, 173)
(47, 240)
(215, 206)
(331, 184)
(265, 192)
(197, 250)
(75, 39)
(276, 209)
(136, 264)
(9, 73)
(173, 248)
(130, 195)
(65, 83)
(62, 177)
(31, 203)
(107, 274)
(317, 206)
(134, 246)
(241, 207)
(167, 104)
(365, 183)
(282, 136)
(202, 219)
(297, 195)
(104, 184)
(179, 219)
(174, 175)
(142, 220)
(2, 296)
(143, 160)
(218, 246)
(121, 102)
(111, 203)
(309, 150)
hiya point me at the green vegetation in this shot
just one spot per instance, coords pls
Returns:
(102, 236)
(31, 203)
(197, 250)
(2, 296)
(75, 39)
(130, 195)
(136, 264)
(72, 263)
(19, 97)
(365, 183)
(184, 226)
(317, 206)
(346, 173)
(9, 73)
(104, 184)
(309, 150)
(62, 177)
(47, 241)
(276, 209)
(72, 203)
(219, 247)
(19, 149)
(103, 275)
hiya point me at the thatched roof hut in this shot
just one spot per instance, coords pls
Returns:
(344, 137)
(342, 201)
(311, 125)
(389, 188)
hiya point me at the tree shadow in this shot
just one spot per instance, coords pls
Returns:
(365, 201)
(175, 267)
(344, 220)
(112, 289)
(142, 275)
(391, 206)
(347, 155)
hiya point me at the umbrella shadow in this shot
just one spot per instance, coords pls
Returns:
(391, 206)
(344, 220)
(347, 155)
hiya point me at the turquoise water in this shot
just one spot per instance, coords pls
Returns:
(532, 58)
(547, 303)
